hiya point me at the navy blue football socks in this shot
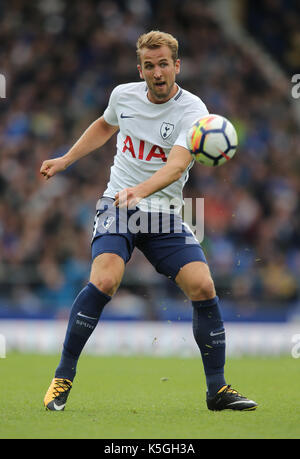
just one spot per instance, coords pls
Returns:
(209, 333)
(84, 317)
(208, 329)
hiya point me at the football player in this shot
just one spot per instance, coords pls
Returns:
(150, 168)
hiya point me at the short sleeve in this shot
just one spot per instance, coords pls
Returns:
(110, 114)
(190, 115)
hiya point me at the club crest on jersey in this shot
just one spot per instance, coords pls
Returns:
(166, 130)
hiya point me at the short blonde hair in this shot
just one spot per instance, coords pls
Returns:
(156, 39)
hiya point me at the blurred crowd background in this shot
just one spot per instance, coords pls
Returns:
(61, 60)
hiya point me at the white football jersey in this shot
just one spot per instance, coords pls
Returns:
(147, 133)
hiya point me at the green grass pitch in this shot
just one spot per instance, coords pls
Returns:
(148, 398)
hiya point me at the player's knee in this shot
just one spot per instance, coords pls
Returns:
(107, 284)
(106, 273)
(203, 289)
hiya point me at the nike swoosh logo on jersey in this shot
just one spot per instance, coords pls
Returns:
(126, 116)
(217, 333)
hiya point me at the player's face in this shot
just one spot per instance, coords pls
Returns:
(159, 71)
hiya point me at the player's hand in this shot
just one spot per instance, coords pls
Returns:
(127, 198)
(50, 167)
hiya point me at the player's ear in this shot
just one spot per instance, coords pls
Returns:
(139, 67)
(177, 66)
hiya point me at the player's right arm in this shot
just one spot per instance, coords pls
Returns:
(96, 135)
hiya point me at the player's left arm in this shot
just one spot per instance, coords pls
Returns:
(177, 162)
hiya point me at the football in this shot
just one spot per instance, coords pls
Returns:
(212, 140)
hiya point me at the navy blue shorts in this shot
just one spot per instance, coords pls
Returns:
(165, 240)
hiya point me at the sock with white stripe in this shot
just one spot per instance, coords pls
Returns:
(84, 317)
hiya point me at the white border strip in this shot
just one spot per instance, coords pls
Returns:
(150, 338)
